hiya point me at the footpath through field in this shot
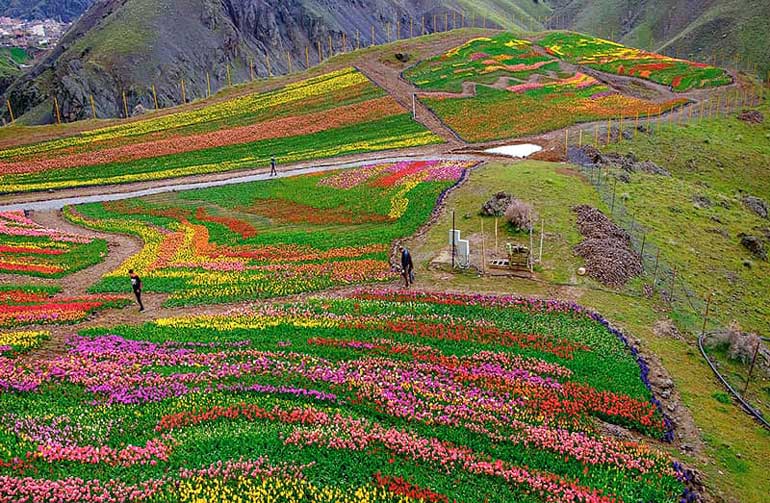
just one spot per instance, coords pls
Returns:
(42, 201)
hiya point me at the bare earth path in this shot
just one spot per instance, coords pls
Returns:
(119, 248)
(388, 78)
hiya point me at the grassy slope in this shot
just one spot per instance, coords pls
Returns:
(727, 432)
(720, 159)
(727, 27)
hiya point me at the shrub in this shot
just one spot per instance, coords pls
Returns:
(520, 215)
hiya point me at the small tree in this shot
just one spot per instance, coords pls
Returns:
(520, 215)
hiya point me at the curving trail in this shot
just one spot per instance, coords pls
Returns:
(119, 248)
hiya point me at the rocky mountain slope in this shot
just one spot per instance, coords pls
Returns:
(129, 45)
(63, 10)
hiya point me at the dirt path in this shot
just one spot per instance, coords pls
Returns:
(58, 199)
(119, 248)
(403, 92)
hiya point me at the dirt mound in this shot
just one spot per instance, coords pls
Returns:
(606, 249)
(752, 117)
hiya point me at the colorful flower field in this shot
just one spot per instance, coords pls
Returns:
(522, 91)
(377, 396)
(611, 57)
(22, 305)
(273, 238)
(482, 60)
(30, 249)
(327, 116)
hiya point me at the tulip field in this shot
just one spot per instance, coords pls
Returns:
(516, 79)
(273, 238)
(334, 114)
(611, 57)
(374, 396)
(27, 248)
(22, 305)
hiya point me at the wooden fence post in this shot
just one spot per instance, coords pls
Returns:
(93, 106)
(208, 85)
(483, 249)
(184, 94)
(56, 107)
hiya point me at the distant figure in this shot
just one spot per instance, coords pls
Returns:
(136, 285)
(273, 171)
(407, 267)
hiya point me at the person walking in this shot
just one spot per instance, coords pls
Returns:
(407, 267)
(136, 285)
(273, 171)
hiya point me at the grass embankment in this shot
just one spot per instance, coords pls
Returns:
(737, 448)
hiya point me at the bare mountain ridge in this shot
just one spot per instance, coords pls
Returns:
(129, 45)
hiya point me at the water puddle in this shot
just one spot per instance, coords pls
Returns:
(518, 151)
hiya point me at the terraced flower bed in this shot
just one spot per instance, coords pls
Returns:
(482, 60)
(518, 91)
(377, 396)
(274, 238)
(22, 305)
(28, 248)
(335, 114)
(611, 57)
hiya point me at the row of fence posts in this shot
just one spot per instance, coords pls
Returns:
(659, 277)
(321, 51)
(662, 118)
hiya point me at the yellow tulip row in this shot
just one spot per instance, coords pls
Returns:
(243, 490)
(317, 86)
(23, 340)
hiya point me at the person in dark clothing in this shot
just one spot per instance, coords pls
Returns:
(136, 285)
(273, 171)
(407, 267)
